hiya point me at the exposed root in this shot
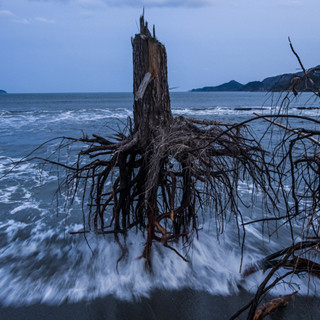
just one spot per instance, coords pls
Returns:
(161, 188)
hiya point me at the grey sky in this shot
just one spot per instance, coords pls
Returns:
(84, 45)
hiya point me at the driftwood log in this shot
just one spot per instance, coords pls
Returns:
(272, 306)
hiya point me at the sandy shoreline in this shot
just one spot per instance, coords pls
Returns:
(184, 304)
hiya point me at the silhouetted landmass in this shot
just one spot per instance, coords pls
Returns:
(230, 86)
(253, 86)
(2, 91)
(277, 83)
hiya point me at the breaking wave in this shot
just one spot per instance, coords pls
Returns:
(41, 262)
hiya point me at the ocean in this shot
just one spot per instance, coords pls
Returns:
(41, 264)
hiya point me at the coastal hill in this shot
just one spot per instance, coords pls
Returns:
(2, 91)
(277, 83)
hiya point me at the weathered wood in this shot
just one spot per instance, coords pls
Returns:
(151, 109)
(272, 306)
(297, 264)
(163, 172)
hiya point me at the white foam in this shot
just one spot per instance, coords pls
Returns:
(24, 206)
(50, 268)
(219, 111)
(11, 227)
(43, 118)
(5, 194)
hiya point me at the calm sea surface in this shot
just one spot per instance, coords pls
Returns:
(41, 262)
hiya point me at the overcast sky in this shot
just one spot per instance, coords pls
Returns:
(84, 45)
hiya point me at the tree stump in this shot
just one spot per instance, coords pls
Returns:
(167, 170)
(151, 109)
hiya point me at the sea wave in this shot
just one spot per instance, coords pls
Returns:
(200, 112)
(25, 119)
(52, 266)
(41, 262)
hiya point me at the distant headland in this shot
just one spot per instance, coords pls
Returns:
(2, 91)
(277, 83)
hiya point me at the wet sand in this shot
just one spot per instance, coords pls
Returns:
(184, 304)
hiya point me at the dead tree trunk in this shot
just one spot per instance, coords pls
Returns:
(151, 109)
(167, 170)
(152, 113)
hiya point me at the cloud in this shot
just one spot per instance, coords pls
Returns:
(6, 14)
(22, 21)
(44, 20)
(136, 3)
(12, 17)
(160, 3)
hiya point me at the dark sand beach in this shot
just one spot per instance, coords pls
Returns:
(184, 304)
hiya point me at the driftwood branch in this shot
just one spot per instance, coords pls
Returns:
(272, 306)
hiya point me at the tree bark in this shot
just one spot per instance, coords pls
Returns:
(151, 109)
